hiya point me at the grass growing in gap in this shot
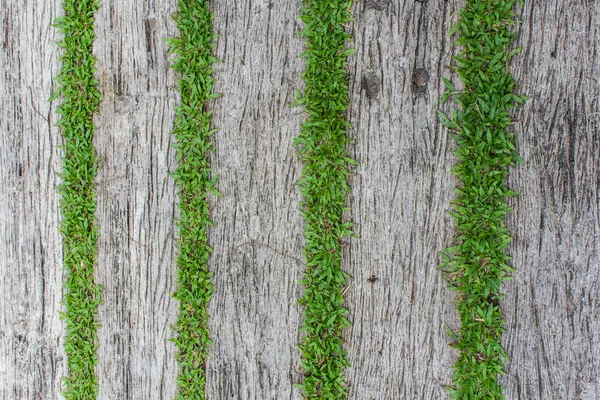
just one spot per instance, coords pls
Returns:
(194, 179)
(324, 188)
(80, 99)
(477, 264)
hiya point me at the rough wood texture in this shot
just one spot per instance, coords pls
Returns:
(258, 234)
(398, 299)
(31, 354)
(136, 202)
(402, 191)
(553, 304)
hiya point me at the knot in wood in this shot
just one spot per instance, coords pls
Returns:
(370, 83)
(379, 5)
(420, 78)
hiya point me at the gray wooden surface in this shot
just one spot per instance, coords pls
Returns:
(31, 355)
(553, 304)
(400, 202)
(398, 345)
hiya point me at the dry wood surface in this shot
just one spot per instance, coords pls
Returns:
(398, 300)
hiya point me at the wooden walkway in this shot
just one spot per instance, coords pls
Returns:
(398, 300)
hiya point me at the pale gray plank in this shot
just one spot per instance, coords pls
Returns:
(552, 305)
(31, 356)
(136, 200)
(258, 233)
(398, 300)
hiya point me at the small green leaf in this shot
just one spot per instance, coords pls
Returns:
(54, 96)
(448, 84)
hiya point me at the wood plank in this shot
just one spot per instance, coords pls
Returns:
(136, 201)
(552, 305)
(258, 234)
(398, 300)
(31, 356)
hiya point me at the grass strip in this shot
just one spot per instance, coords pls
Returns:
(477, 264)
(323, 184)
(195, 181)
(80, 99)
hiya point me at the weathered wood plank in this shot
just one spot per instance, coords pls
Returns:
(136, 201)
(552, 305)
(31, 356)
(398, 299)
(258, 234)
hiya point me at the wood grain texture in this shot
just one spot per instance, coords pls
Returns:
(400, 202)
(553, 304)
(136, 201)
(258, 234)
(31, 354)
(398, 299)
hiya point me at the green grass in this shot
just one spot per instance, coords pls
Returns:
(477, 264)
(322, 148)
(195, 182)
(80, 99)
